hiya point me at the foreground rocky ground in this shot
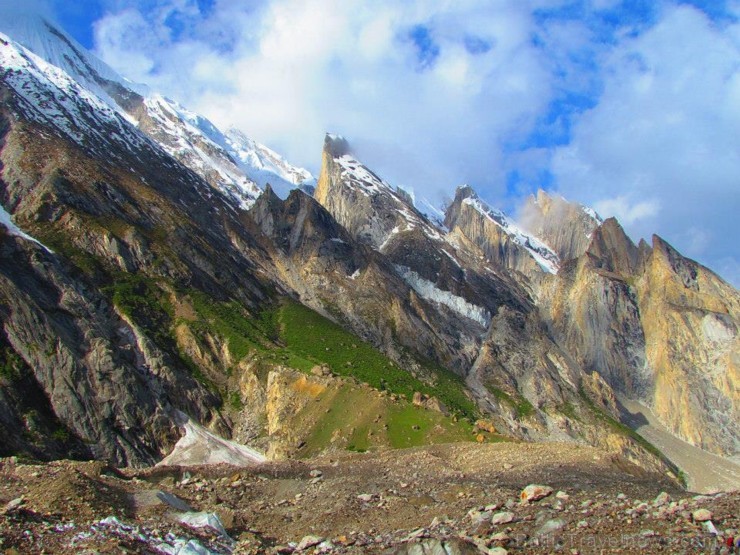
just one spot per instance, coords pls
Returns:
(457, 498)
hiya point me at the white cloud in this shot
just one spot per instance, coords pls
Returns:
(300, 68)
(115, 34)
(626, 211)
(664, 135)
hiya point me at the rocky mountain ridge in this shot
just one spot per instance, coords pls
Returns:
(155, 291)
(229, 161)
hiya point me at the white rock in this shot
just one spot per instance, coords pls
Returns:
(478, 516)
(503, 518)
(203, 520)
(551, 526)
(308, 541)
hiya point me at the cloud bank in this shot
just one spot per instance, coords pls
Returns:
(630, 107)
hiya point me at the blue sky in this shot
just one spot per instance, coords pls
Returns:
(631, 106)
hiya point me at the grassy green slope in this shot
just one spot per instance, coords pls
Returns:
(313, 337)
(370, 408)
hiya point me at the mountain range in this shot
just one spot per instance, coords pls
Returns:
(161, 276)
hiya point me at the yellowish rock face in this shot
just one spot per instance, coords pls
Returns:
(691, 319)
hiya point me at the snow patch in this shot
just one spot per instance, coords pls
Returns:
(357, 176)
(591, 213)
(203, 520)
(431, 292)
(199, 446)
(395, 231)
(59, 49)
(51, 97)
(434, 213)
(170, 544)
(7, 221)
(451, 257)
(264, 165)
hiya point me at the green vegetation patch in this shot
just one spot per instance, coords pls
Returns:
(315, 338)
(143, 301)
(11, 363)
(569, 409)
(350, 416)
(231, 323)
(410, 426)
(519, 403)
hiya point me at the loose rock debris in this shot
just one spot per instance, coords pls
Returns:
(453, 499)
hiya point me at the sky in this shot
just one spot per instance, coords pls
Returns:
(629, 106)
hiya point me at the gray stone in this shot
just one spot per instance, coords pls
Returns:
(701, 515)
(662, 499)
(14, 504)
(551, 526)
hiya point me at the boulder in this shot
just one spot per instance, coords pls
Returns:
(534, 492)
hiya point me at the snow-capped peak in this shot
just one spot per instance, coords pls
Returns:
(264, 165)
(52, 97)
(591, 213)
(355, 174)
(58, 49)
(230, 162)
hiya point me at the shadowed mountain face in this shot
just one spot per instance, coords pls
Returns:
(145, 274)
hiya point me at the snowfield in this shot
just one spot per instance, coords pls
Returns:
(431, 292)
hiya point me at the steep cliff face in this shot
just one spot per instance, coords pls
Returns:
(594, 314)
(657, 327)
(368, 207)
(529, 386)
(354, 284)
(122, 221)
(110, 389)
(501, 240)
(611, 251)
(564, 226)
(691, 319)
(136, 286)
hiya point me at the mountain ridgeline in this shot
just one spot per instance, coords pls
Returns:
(153, 266)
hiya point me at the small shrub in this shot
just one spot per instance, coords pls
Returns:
(60, 434)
